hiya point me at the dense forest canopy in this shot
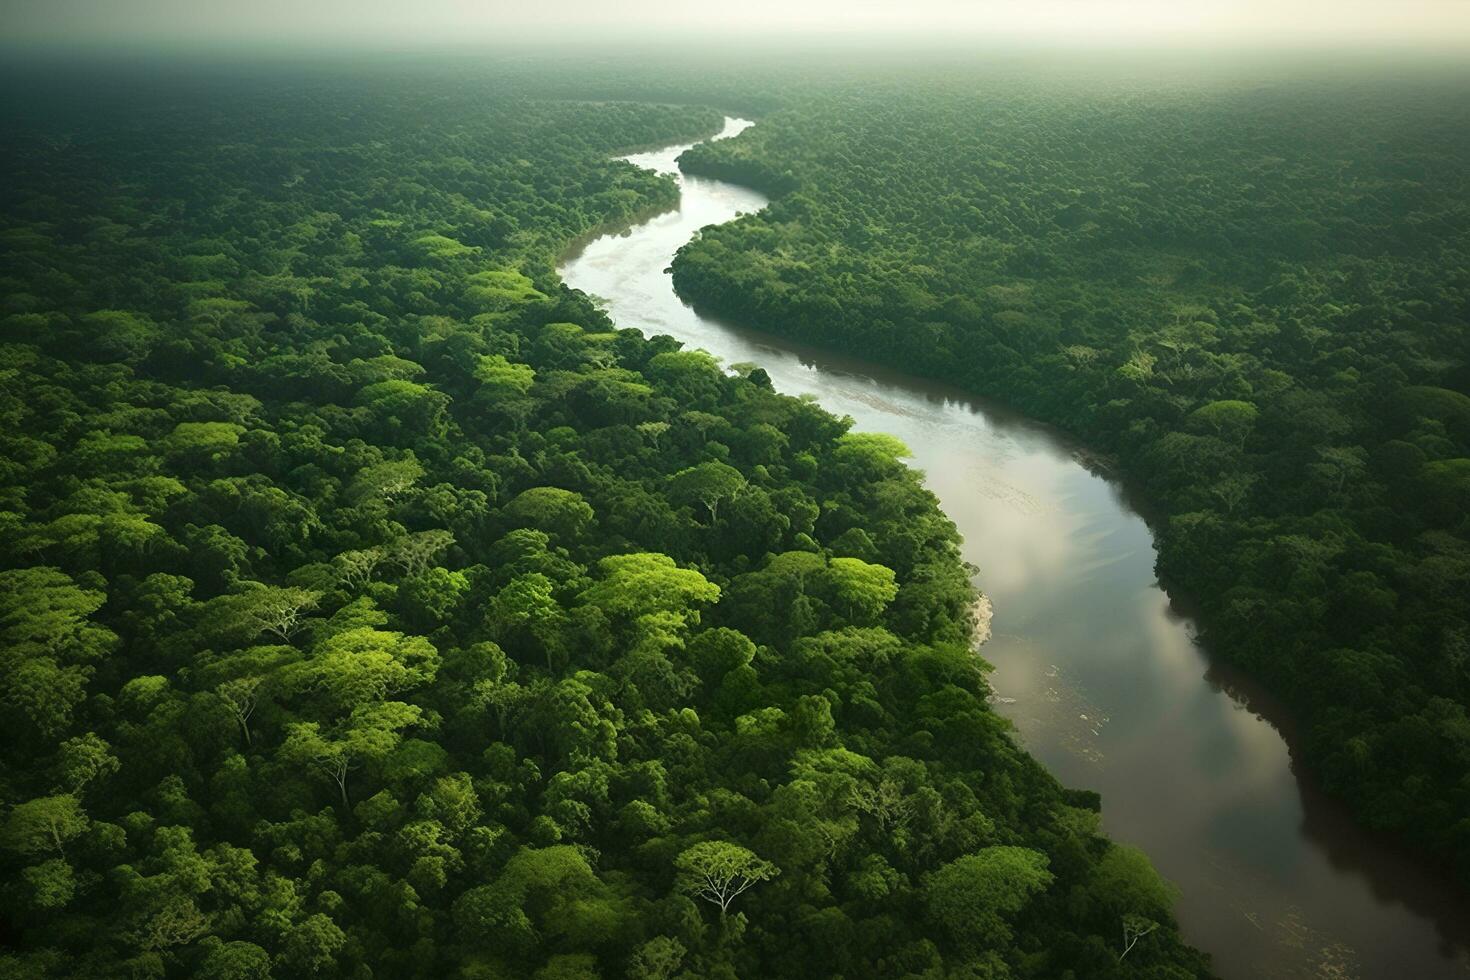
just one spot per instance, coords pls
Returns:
(1254, 296)
(370, 605)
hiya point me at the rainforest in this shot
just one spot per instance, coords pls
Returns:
(425, 552)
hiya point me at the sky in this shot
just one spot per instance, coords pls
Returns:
(407, 23)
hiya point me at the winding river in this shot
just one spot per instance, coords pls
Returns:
(1103, 681)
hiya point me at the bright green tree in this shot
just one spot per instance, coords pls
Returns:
(719, 872)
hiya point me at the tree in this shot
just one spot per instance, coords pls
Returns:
(236, 960)
(973, 897)
(430, 598)
(363, 665)
(886, 800)
(1135, 927)
(1126, 883)
(355, 568)
(572, 719)
(44, 824)
(635, 585)
(657, 959)
(403, 410)
(216, 310)
(414, 553)
(271, 609)
(1230, 420)
(720, 872)
(218, 560)
(862, 590)
(102, 450)
(708, 483)
(653, 431)
(240, 695)
(178, 921)
(498, 290)
(312, 945)
(199, 442)
(871, 452)
(242, 680)
(118, 334)
(82, 759)
(370, 733)
(716, 652)
(332, 758)
(386, 481)
(1233, 490)
(1451, 408)
(527, 605)
(560, 513)
(48, 642)
(50, 884)
(502, 375)
(1446, 487)
(495, 687)
(549, 895)
(693, 374)
(1337, 465)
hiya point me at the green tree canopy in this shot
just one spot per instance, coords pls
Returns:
(719, 872)
(975, 897)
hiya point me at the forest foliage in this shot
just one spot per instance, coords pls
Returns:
(370, 605)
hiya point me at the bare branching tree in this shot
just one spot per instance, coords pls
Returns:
(1135, 927)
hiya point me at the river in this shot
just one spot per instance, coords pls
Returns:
(1103, 681)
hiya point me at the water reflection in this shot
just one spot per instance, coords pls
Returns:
(1100, 676)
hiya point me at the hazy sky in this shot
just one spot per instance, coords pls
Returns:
(400, 23)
